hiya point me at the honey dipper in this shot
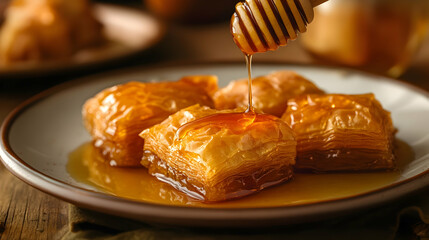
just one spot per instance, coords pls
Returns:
(262, 25)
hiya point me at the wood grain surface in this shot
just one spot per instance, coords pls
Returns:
(26, 213)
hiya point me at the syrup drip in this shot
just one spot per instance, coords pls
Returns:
(235, 122)
(249, 73)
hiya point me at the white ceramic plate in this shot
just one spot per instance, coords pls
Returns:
(127, 31)
(38, 136)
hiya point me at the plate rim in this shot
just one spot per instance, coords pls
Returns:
(197, 216)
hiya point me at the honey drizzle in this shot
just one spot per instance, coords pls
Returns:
(248, 58)
(235, 122)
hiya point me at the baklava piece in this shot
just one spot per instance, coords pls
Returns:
(338, 132)
(270, 92)
(116, 116)
(36, 30)
(215, 155)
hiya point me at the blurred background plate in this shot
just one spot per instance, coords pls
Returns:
(129, 32)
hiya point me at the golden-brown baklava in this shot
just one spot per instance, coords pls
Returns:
(337, 132)
(270, 92)
(115, 116)
(215, 155)
(36, 30)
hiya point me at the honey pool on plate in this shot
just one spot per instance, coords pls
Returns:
(86, 165)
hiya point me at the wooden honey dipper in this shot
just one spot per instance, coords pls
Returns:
(262, 25)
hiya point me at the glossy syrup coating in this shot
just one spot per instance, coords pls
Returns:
(270, 92)
(115, 116)
(337, 132)
(217, 155)
(37, 30)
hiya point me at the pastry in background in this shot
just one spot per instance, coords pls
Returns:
(115, 116)
(270, 92)
(217, 155)
(337, 132)
(39, 30)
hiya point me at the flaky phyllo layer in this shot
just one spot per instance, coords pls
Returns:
(116, 115)
(234, 155)
(338, 132)
(270, 92)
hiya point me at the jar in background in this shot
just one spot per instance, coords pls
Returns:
(375, 35)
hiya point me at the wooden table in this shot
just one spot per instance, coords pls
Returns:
(27, 213)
